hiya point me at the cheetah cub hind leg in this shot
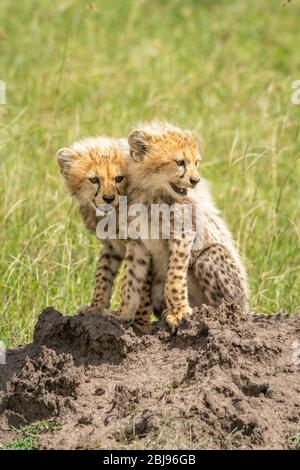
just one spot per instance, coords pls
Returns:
(219, 277)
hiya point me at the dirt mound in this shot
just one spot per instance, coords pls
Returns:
(42, 388)
(86, 337)
(224, 381)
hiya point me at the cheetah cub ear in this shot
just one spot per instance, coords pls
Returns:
(65, 157)
(139, 143)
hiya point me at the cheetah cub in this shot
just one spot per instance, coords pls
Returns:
(163, 169)
(95, 171)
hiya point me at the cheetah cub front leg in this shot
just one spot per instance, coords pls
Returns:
(135, 306)
(109, 263)
(176, 293)
(143, 315)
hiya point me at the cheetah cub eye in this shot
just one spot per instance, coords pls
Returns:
(94, 180)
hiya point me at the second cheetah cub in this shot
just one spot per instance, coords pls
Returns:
(163, 169)
(95, 172)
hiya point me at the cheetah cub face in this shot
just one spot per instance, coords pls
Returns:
(95, 171)
(165, 158)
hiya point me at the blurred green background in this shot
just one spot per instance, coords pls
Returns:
(74, 68)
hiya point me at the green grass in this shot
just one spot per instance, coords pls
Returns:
(74, 68)
(29, 439)
(25, 443)
(295, 441)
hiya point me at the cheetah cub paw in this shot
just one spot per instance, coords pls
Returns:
(90, 309)
(116, 315)
(144, 329)
(174, 317)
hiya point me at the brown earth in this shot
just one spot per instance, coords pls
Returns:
(225, 381)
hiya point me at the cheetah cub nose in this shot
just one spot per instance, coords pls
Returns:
(194, 181)
(108, 198)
